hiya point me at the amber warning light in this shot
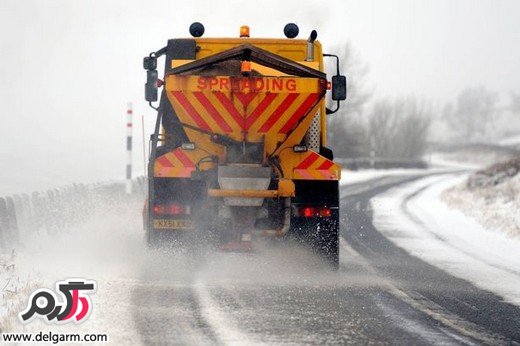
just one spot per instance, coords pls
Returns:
(244, 31)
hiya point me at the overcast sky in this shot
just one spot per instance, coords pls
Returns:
(69, 67)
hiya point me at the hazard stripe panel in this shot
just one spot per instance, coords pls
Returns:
(224, 126)
(231, 109)
(239, 107)
(316, 167)
(277, 114)
(246, 99)
(260, 109)
(178, 163)
(300, 112)
(309, 160)
(192, 112)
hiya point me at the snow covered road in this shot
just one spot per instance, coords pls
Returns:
(414, 218)
(282, 294)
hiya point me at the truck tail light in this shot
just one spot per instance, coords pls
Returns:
(325, 212)
(312, 211)
(171, 209)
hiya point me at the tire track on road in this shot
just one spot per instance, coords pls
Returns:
(436, 293)
(224, 328)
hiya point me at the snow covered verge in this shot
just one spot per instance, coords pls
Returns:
(415, 218)
(107, 248)
(15, 287)
(70, 232)
(491, 196)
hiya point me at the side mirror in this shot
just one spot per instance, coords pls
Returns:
(150, 63)
(150, 88)
(339, 88)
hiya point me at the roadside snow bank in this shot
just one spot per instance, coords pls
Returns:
(353, 177)
(491, 196)
(416, 219)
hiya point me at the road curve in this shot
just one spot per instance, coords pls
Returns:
(284, 294)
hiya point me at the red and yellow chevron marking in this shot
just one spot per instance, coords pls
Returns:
(178, 163)
(316, 167)
(238, 107)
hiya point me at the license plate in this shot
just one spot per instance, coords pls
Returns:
(172, 224)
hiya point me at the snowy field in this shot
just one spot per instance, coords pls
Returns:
(415, 218)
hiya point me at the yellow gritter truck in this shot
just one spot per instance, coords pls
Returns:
(239, 148)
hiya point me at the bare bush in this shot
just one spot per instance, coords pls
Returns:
(495, 174)
(515, 103)
(399, 129)
(393, 129)
(347, 129)
(473, 115)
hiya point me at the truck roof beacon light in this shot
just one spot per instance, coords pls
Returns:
(196, 29)
(291, 30)
(244, 31)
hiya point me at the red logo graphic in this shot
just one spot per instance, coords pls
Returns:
(74, 305)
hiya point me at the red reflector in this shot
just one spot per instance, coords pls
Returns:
(176, 209)
(314, 211)
(158, 209)
(308, 212)
(325, 212)
(171, 209)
